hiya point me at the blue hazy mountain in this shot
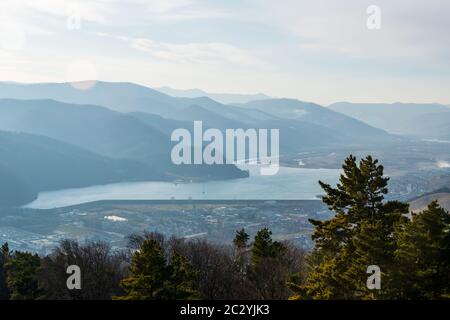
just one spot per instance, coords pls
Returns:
(225, 98)
(433, 125)
(95, 128)
(121, 132)
(211, 118)
(424, 120)
(294, 135)
(164, 125)
(14, 191)
(319, 126)
(348, 127)
(128, 97)
(31, 163)
(122, 97)
(106, 132)
(237, 114)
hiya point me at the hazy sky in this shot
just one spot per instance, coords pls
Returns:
(319, 51)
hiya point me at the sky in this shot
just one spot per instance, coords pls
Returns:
(320, 51)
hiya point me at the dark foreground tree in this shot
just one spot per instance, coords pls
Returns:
(241, 239)
(21, 271)
(101, 271)
(424, 255)
(264, 247)
(217, 275)
(227, 272)
(152, 278)
(271, 264)
(5, 255)
(359, 235)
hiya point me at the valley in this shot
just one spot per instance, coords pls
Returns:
(112, 221)
(96, 164)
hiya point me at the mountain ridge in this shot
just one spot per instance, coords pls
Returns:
(225, 98)
(398, 118)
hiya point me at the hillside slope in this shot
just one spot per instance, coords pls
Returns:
(291, 109)
(105, 132)
(422, 202)
(30, 164)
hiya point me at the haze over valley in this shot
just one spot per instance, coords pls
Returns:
(64, 149)
(127, 127)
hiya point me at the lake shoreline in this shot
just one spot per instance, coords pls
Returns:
(288, 184)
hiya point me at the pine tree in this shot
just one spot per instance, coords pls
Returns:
(21, 272)
(5, 255)
(152, 278)
(148, 273)
(241, 239)
(265, 247)
(360, 234)
(424, 255)
(182, 276)
(267, 270)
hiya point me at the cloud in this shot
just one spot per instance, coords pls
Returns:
(205, 53)
(122, 13)
(196, 53)
(176, 10)
(410, 28)
(100, 12)
(15, 19)
(314, 50)
(413, 28)
(165, 6)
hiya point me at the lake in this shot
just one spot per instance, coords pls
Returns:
(287, 184)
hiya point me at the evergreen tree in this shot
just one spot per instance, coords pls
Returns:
(424, 255)
(376, 244)
(359, 235)
(21, 271)
(148, 272)
(5, 255)
(182, 276)
(152, 278)
(269, 267)
(241, 239)
(265, 247)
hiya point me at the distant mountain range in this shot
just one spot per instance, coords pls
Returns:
(347, 128)
(225, 98)
(95, 128)
(107, 133)
(302, 125)
(420, 120)
(125, 129)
